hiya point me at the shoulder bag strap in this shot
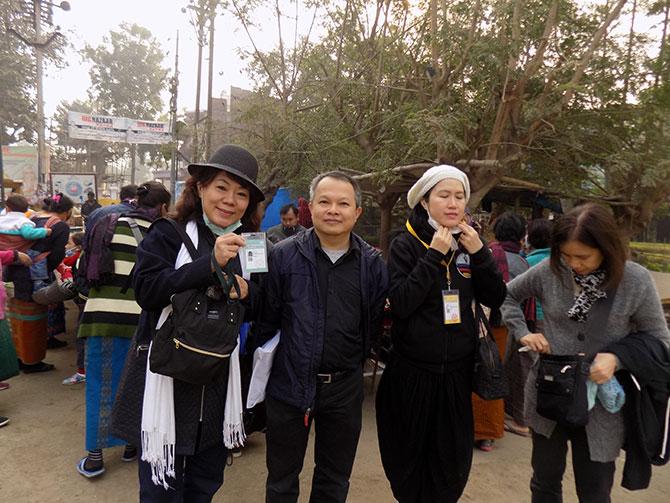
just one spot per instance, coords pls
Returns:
(135, 229)
(480, 319)
(137, 234)
(185, 238)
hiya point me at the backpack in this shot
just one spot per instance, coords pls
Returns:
(96, 262)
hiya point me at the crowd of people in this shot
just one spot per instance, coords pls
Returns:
(194, 292)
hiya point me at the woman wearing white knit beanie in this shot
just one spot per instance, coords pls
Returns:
(437, 268)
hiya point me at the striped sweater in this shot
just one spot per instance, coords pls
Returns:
(108, 311)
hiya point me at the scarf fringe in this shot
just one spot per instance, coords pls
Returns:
(233, 421)
(162, 466)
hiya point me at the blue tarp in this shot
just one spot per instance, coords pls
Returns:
(271, 218)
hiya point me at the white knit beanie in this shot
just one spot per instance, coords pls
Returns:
(434, 176)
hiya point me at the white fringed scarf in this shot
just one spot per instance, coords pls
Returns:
(158, 423)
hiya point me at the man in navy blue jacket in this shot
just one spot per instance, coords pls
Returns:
(325, 291)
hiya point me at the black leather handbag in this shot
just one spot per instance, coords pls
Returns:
(489, 380)
(561, 388)
(196, 341)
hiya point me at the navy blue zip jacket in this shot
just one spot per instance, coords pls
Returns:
(292, 303)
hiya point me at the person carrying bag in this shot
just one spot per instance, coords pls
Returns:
(591, 297)
(184, 451)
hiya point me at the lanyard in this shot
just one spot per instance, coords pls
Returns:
(446, 264)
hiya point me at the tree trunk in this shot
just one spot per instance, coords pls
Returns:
(386, 203)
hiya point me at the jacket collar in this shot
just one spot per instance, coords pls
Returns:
(307, 242)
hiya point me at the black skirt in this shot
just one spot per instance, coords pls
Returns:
(425, 429)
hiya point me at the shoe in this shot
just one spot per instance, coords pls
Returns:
(485, 445)
(53, 343)
(37, 367)
(4, 421)
(513, 427)
(89, 474)
(129, 454)
(4, 386)
(75, 378)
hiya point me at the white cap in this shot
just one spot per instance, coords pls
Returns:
(431, 178)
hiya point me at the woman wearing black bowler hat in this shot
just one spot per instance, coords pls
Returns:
(183, 456)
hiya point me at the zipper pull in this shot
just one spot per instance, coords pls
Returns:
(176, 343)
(307, 413)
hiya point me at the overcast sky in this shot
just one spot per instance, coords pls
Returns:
(89, 21)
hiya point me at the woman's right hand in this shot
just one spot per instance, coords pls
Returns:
(227, 246)
(536, 342)
(442, 240)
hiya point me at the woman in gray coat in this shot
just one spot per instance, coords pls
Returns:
(586, 279)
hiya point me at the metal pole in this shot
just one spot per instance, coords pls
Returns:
(173, 111)
(196, 120)
(37, 4)
(132, 163)
(208, 138)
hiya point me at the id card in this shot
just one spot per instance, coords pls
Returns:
(451, 307)
(254, 255)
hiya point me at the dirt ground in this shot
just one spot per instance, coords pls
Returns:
(41, 446)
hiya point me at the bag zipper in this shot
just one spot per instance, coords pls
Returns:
(178, 344)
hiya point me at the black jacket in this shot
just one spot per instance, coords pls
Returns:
(418, 278)
(646, 362)
(292, 302)
(155, 281)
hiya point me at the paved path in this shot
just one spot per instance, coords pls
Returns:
(662, 280)
(45, 439)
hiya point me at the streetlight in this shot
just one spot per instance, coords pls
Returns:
(38, 43)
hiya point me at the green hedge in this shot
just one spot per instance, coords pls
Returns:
(653, 256)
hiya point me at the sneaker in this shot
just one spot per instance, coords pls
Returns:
(4, 386)
(53, 343)
(89, 474)
(75, 378)
(4, 421)
(485, 445)
(129, 454)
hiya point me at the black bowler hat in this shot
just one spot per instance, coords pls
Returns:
(236, 161)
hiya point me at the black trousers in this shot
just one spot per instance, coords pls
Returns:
(197, 478)
(337, 418)
(593, 480)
